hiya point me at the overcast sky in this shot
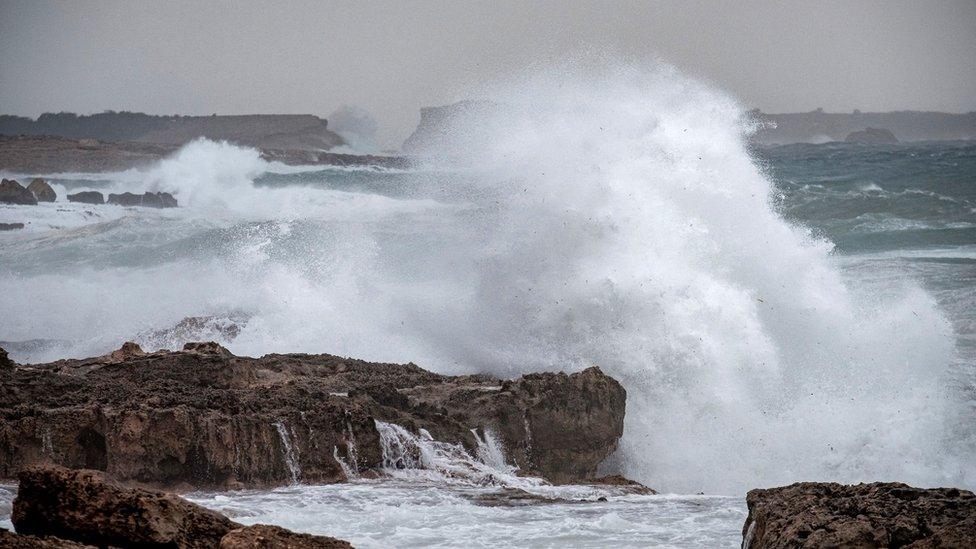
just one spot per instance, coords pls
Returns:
(391, 58)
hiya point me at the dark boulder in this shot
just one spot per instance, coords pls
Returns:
(42, 191)
(147, 200)
(872, 136)
(125, 199)
(11, 192)
(82, 506)
(5, 361)
(11, 226)
(262, 536)
(158, 200)
(87, 197)
(815, 514)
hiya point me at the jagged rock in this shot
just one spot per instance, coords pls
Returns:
(873, 136)
(42, 191)
(814, 514)
(10, 540)
(262, 536)
(11, 226)
(158, 200)
(5, 362)
(124, 199)
(205, 418)
(87, 197)
(83, 506)
(148, 200)
(11, 192)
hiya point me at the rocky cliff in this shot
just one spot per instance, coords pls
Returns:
(820, 514)
(202, 417)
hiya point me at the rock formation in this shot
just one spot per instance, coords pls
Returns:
(81, 506)
(42, 191)
(205, 418)
(813, 514)
(11, 192)
(87, 197)
(872, 136)
(262, 536)
(54, 504)
(147, 199)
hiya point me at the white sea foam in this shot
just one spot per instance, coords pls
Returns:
(612, 218)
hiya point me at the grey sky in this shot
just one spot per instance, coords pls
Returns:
(393, 57)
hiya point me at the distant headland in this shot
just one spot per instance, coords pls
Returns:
(264, 131)
(821, 127)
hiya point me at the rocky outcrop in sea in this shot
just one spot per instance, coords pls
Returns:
(12, 192)
(881, 514)
(205, 418)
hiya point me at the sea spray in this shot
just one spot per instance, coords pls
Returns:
(614, 218)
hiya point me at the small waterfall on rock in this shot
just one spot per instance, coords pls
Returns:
(420, 457)
(350, 464)
(290, 460)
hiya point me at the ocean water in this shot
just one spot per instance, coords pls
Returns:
(806, 312)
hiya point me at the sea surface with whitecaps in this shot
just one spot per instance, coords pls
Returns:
(801, 312)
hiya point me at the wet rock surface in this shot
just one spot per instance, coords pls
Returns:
(812, 514)
(147, 200)
(205, 418)
(42, 191)
(81, 506)
(58, 507)
(261, 536)
(12, 192)
(87, 197)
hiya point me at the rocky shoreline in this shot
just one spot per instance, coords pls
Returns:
(205, 418)
(44, 154)
(87, 437)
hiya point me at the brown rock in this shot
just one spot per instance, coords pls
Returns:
(11, 192)
(10, 540)
(813, 514)
(42, 191)
(87, 197)
(261, 536)
(82, 506)
(205, 418)
(554, 425)
(630, 486)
